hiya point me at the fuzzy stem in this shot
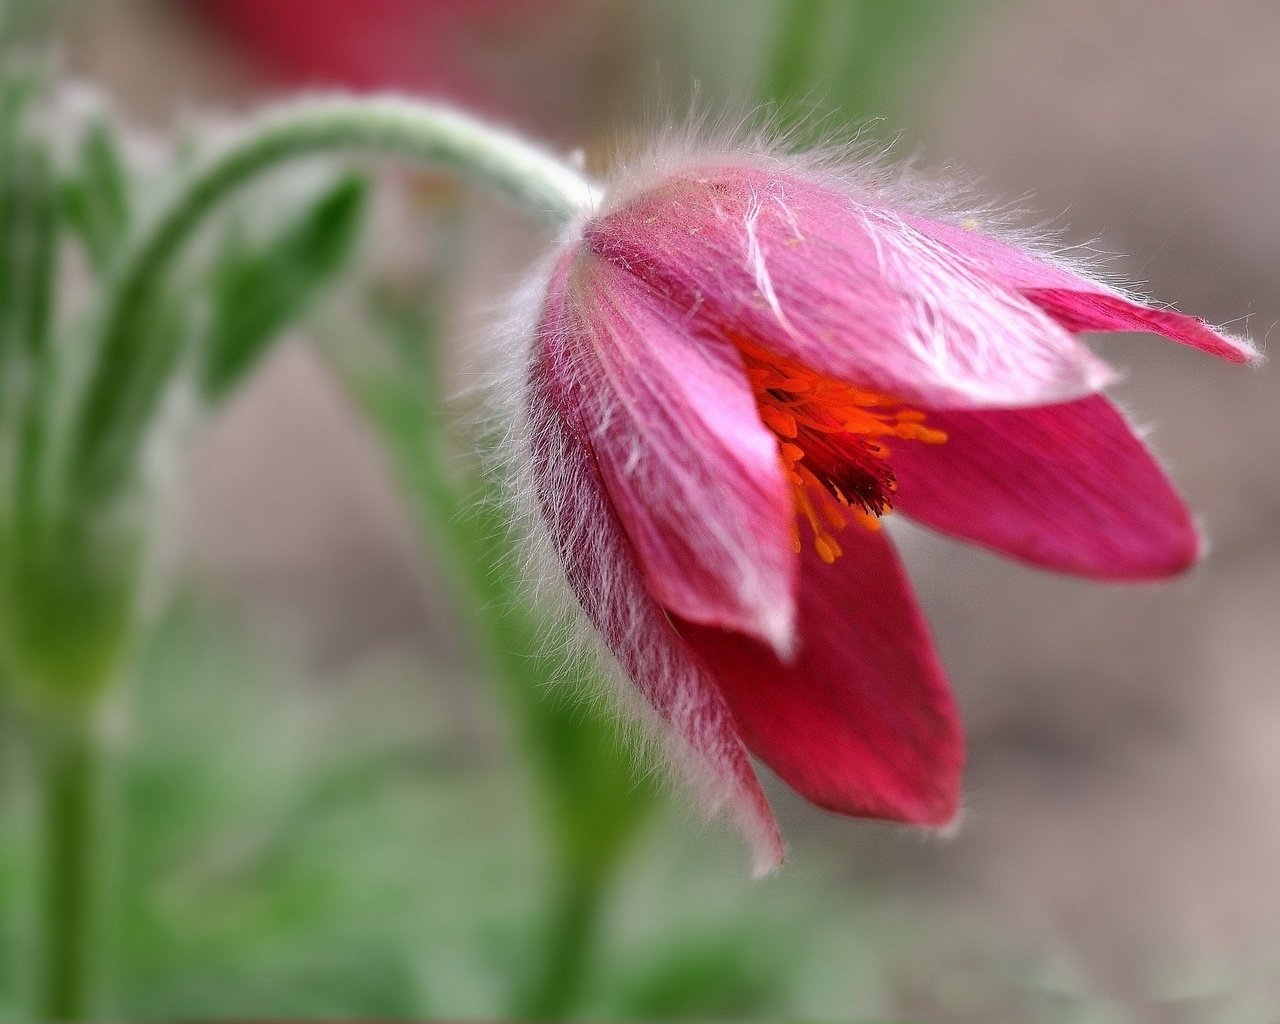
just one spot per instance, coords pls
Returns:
(403, 128)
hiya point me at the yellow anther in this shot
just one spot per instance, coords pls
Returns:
(828, 550)
(866, 520)
(779, 420)
(827, 435)
(834, 515)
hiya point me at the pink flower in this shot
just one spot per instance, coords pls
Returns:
(436, 48)
(739, 370)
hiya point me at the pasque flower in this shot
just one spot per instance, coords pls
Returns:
(742, 366)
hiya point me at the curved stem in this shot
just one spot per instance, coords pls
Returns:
(417, 131)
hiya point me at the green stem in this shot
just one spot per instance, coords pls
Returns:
(416, 131)
(796, 39)
(129, 348)
(69, 892)
(590, 798)
(570, 933)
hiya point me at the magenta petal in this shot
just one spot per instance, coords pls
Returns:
(862, 722)
(601, 569)
(693, 475)
(844, 287)
(1067, 487)
(1079, 310)
(1076, 302)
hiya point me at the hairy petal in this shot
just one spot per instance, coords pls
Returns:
(601, 568)
(845, 287)
(862, 721)
(693, 475)
(1067, 487)
(1078, 303)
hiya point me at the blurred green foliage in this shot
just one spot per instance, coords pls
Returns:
(360, 842)
(73, 550)
(858, 60)
(66, 579)
(95, 196)
(349, 849)
(257, 290)
(592, 788)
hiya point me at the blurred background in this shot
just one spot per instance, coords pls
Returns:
(324, 805)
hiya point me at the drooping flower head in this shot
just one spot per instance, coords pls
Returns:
(743, 365)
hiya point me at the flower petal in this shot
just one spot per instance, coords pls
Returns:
(844, 287)
(862, 722)
(1078, 303)
(1067, 487)
(693, 475)
(600, 565)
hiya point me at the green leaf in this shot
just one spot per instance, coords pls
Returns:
(29, 225)
(28, 235)
(164, 330)
(257, 292)
(37, 258)
(96, 200)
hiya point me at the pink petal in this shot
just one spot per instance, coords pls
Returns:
(1076, 302)
(844, 287)
(1068, 487)
(862, 722)
(693, 475)
(600, 566)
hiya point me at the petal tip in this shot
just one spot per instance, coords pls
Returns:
(1186, 546)
(1087, 375)
(1244, 350)
(1214, 340)
(759, 827)
(1099, 375)
(767, 618)
(767, 858)
(948, 825)
(778, 629)
(1193, 546)
(939, 809)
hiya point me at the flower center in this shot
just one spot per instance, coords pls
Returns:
(831, 439)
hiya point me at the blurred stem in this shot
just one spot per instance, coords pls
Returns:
(585, 860)
(417, 131)
(71, 788)
(798, 36)
(592, 801)
(568, 941)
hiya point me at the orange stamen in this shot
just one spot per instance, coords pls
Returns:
(830, 444)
